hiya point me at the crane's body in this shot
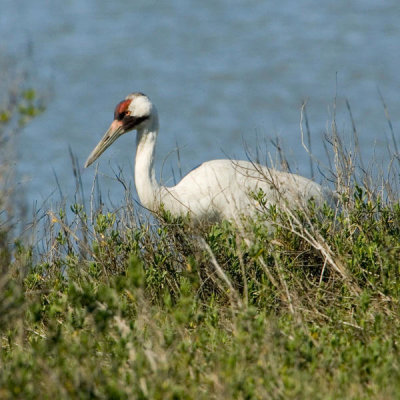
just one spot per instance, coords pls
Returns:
(218, 189)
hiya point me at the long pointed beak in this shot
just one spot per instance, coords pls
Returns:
(114, 132)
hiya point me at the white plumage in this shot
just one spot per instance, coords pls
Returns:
(218, 189)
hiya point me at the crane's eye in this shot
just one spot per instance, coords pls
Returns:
(121, 110)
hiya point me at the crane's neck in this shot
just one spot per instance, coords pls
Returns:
(147, 186)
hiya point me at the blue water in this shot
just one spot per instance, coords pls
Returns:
(221, 74)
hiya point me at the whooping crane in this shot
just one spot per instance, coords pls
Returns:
(217, 189)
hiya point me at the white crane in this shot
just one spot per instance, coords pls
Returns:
(218, 189)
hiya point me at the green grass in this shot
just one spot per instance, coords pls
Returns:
(141, 311)
(295, 305)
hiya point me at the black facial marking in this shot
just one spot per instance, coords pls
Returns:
(129, 122)
(120, 116)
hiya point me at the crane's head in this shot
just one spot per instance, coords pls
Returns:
(135, 112)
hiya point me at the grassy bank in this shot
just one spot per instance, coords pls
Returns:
(112, 305)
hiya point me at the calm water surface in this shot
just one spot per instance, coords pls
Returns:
(221, 73)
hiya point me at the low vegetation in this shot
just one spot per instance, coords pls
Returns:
(116, 305)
